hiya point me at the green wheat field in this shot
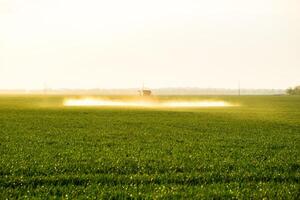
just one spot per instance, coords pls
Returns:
(250, 151)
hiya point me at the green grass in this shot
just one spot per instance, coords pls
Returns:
(50, 151)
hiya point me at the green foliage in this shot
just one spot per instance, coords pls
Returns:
(293, 91)
(246, 152)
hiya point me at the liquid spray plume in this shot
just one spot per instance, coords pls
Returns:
(140, 103)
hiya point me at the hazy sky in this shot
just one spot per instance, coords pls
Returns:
(163, 43)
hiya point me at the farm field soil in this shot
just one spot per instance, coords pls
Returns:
(246, 151)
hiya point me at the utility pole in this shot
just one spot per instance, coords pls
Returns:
(239, 89)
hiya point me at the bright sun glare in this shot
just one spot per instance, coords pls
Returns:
(162, 104)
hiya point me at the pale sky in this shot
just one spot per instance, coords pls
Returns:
(163, 43)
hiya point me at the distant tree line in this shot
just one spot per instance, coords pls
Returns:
(293, 91)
